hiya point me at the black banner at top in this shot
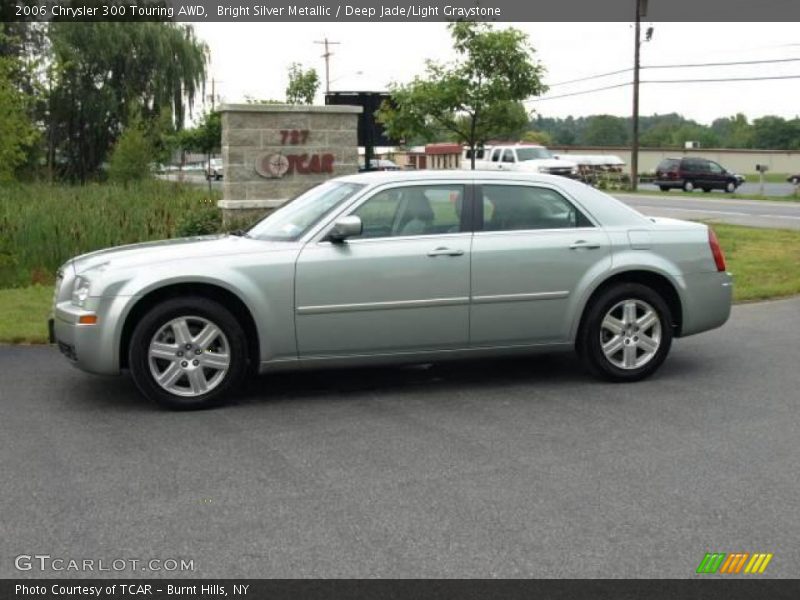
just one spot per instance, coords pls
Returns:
(400, 10)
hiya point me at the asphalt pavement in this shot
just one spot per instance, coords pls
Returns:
(752, 213)
(504, 468)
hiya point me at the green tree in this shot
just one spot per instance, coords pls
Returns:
(206, 136)
(17, 133)
(473, 97)
(605, 130)
(132, 155)
(303, 85)
(537, 137)
(101, 72)
(776, 133)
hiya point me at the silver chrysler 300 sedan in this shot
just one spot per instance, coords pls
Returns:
(396, 267)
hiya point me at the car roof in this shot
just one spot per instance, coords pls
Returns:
(381, 177)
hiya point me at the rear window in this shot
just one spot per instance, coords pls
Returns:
(668, 164)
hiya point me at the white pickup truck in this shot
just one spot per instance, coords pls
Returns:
(519, 157)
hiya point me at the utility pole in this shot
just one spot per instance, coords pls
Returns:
(327, 56)
(641, 9)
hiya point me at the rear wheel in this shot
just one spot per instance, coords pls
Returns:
(188, 353)
(627, 333)
(688, 186)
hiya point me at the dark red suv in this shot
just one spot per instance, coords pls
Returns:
(692, 173)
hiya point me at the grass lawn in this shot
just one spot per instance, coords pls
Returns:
(23, 314)
(765, 264)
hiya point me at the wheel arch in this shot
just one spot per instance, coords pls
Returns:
(652, 279)
(224, 296)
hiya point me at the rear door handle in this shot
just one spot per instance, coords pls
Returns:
(442, 251)
(583, 245)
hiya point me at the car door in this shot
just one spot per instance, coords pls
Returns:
(717, 175)
(496, 164)
(508, 160)
(402, 285)
(533, 249)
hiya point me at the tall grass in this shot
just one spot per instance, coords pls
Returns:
(41, 225)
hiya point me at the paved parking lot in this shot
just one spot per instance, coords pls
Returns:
(517, 468)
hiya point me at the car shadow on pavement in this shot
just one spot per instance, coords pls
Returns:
(556, 370)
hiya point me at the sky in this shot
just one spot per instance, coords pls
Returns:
(251, 59)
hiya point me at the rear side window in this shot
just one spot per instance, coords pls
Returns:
(668, 164)
(513, 208)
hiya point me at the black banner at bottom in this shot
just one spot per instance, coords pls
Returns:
(416, 589)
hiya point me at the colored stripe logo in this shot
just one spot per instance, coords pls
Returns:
(734, 563)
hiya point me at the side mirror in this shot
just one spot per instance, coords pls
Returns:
(345, 227)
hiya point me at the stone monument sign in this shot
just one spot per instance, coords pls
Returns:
(273, 152)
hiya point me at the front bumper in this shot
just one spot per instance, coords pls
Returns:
(89, 347)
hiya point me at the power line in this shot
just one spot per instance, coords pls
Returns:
(658, 81)
(723, 64)
(678, 66)
(609, 74)
(722, 80)
(600, 89)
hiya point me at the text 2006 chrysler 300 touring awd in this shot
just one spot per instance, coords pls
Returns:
(396, 267)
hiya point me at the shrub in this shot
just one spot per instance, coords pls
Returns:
(132, 156)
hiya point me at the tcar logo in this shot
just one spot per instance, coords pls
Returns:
(731, 564)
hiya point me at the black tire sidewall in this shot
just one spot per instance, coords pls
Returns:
(589, 341)
(159, 315)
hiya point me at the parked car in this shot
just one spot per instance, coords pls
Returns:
(530, 158)
(215, 169)
(395, 267)
(381, 164)
(690, 173)
(794, 179)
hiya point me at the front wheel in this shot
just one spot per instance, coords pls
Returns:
(188, 353)
(627, 333)
(730, 187)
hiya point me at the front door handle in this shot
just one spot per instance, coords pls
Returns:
(442, 251)
(583, 245)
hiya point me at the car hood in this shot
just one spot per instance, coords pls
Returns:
(150, 253)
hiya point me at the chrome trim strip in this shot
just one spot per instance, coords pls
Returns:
(333, 308)
(519, 297)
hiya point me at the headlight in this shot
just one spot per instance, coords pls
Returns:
(80, 290)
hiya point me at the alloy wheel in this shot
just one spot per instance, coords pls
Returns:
(189, 356)
(630, 334)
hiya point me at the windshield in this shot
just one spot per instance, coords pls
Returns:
(533, 153)
(295, 218)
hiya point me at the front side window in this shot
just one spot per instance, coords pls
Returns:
(715, 168)
(512, 207)
(412, 210)
(533, 153)
(291, 221)
(508, 156)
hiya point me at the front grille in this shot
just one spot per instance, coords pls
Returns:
(562, 171)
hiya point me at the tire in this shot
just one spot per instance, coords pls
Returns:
(795, 180)
(707, 190)
(642, 361)
(730, 187)
(664, 188)
(688, 186)
(177, 324)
